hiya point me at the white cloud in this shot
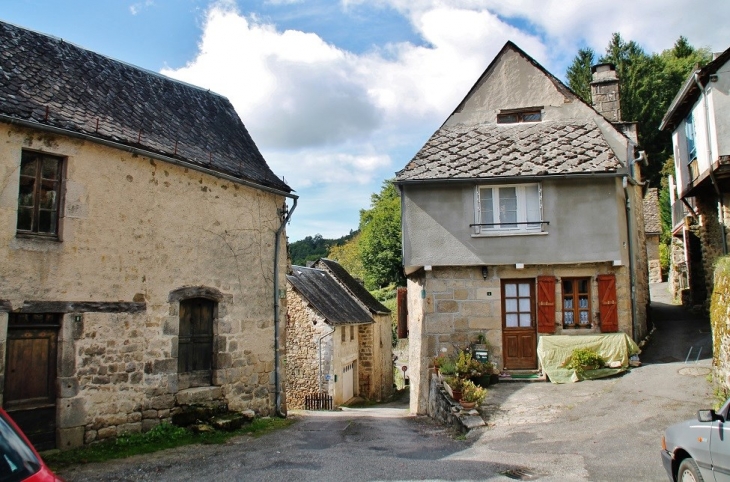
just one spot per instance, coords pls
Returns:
(135, 8)
(335, 123)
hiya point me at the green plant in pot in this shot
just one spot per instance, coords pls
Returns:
(447, 368)
(454, 386)
(463, 364)
(472, 395)
(583, 359)
(479, 372)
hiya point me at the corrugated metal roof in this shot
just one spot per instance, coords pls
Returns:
(49, 82)
(327, 296)
(355, 287)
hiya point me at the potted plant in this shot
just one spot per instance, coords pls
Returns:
(463, 364)
(480, 373)
(583, 359)
(447, 368)
(454, 387)
(472, 395)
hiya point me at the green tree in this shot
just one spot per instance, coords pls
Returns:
(380, 239)
(649, 82)
(348, 255)
(579, 73)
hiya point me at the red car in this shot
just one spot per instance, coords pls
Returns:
(18, 459)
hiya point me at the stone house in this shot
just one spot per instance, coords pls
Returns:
(522, 217)
(334, 344)
(376, 340)
(699, 120)
(140, 259)
(653, 231)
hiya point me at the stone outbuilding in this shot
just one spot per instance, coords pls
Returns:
(141, 253)
(653, 230)
(334, 345)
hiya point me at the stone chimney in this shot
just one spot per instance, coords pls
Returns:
(605, 92)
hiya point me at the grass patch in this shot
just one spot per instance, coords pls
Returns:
(163, 436)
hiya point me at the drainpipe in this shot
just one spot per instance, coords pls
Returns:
(708, 140)
(629, 235)
(277, 305)
(319, 367)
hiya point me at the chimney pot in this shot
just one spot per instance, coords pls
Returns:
(605, 91)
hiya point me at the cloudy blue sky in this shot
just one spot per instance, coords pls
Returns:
(340, 94)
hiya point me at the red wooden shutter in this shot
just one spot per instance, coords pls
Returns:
(402, 312)
(607, 303)
(545, 304)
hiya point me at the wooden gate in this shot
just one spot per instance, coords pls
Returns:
(30, 376)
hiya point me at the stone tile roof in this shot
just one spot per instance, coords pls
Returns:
(355, 287)
(652, 218)
(507, 150)
(53, 83)
(328, 297)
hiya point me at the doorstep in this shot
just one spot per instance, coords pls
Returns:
(522, 376)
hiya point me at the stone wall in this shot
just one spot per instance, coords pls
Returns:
(449, 306)
(135, 230)
(720, 321)
(366, 362)
(304, 328)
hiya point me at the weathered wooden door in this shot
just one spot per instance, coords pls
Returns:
(30, 376)
(195, 343)
(607, 306)
(519, 334)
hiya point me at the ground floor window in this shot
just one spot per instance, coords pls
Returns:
(576, 302)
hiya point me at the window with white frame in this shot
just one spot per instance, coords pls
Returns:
(507, 209)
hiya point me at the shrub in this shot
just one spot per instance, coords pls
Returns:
(473, 393)
(583, 359)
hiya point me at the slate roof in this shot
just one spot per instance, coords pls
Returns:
(49, 82)
(328, 297)
(652, 219)
(355, 287)
(507, 150)
(689, 93)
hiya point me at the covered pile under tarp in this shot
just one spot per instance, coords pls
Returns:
(554, 351)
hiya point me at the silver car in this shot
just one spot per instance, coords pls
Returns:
(699, 450)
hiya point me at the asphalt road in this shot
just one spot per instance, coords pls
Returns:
(600, 430)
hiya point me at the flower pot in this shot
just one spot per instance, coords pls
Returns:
(494, 378)
(467, 405)
(456, 395)
(482, 380)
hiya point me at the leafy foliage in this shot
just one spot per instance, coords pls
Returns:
(348, 255)
(472, 393)
(380, 241)
(314, 247)
(649, 82)
(582, 359)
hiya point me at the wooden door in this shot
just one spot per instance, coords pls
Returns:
(519, 333)
(195, 343)
(607, 306)
(30, 376)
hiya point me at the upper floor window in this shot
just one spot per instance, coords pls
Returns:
(506, 209)
(689, 130)
(521, 115)
(39, 198)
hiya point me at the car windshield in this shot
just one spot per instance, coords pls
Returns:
(17, 460)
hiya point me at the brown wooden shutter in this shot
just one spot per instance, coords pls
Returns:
(546, 304)
(402, 312)
(607, 303)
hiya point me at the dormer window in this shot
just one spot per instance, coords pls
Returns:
(513, 116)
